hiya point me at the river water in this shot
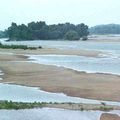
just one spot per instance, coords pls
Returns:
(51, 114)
(19, 93)
(105, 64)
(80, 63)
(108, 63)
(105, 46)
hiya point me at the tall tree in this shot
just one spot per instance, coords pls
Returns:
(40, 30)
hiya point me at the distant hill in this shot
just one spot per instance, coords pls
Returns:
(105, 29)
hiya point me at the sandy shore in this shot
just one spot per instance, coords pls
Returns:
(82, 107)
(106, 116)
(87, 53)
(54, 79)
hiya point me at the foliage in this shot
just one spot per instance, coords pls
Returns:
(71, 35)
(84, 38)
(105, 29)
(40, 30)
(105, 108)
(20, 105)
(3, 34)
(18, 47)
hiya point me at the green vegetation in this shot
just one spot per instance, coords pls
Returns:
(18, 47)
(105, 108)
(105, 29)
(42, 31)
(15, 105)
(3, 34)
(20, 105)
(71, 35)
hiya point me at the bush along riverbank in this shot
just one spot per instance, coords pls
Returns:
(25, 47)
(70, 106)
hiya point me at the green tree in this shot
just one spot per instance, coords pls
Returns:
(3, 34)
(71, 35)
(40, 30)
(105, 29)
(82, 30)
(13, 31)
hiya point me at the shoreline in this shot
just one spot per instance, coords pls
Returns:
(107, 112)
(67, 106)
(70, 82)
(45, 51)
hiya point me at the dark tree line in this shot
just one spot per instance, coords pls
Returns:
(105, 29)
(40, 30)
(3, 34)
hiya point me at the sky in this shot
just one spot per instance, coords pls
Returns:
(90, 12)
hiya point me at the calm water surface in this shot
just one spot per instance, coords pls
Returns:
(80, 63)
(106, 46)
(19, 93)
(48, 114)
(106, 64)
(51, 114)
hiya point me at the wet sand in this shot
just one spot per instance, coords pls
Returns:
(58, 79)
(82, 107)
(87, 53)
(106, 116)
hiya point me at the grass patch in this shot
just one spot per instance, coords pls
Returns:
(24, 47)
(105, 108)
(20, 105)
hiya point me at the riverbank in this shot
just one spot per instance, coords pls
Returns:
(106, 116)
(44, 51)
(69, 106)
(98, 111)
(70, 82)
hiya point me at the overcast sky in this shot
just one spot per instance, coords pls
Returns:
(91, 12)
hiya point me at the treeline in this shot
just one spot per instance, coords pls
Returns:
(105, 29)
(42, 31)
(3, 34)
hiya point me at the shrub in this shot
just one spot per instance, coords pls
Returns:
(24, 47)
(84, 38)
(71, 35)
(105, 108)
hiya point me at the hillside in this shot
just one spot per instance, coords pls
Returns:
(105, 29)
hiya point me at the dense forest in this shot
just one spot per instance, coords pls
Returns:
(40, 30)
(105, 29)
(67, 31)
